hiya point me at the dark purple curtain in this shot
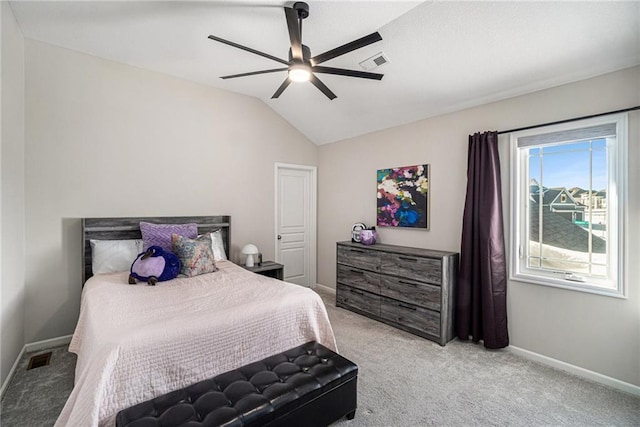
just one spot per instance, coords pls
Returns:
(481, 309)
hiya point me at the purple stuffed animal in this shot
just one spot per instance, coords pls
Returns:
(153, 266)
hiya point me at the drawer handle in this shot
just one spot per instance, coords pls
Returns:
(408, 307)
(408, 259)
(360, 251)
(356, 292)
(408, 283)
(356, 271)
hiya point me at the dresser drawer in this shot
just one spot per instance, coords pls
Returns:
(410, 316)
(360, 300)
(361, 258)
(411, 291)
(358, 278)
(413, 267)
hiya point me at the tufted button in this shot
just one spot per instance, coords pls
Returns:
(323, 360)
(305, 369)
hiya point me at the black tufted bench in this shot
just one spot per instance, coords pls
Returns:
(308, 385)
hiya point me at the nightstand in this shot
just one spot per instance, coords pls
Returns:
(268, 268)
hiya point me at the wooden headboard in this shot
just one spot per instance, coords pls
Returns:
(129, 228)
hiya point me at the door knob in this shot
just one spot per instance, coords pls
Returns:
(279, 237)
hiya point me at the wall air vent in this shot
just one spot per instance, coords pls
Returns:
(374, 62)
(39, 360)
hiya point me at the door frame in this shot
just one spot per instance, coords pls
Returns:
(313, 213)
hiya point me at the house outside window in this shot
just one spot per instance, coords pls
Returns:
(567, 194)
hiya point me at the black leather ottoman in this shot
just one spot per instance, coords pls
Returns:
(308, 385)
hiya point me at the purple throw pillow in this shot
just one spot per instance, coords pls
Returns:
(160, 234)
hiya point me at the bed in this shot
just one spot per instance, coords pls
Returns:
(137, 342)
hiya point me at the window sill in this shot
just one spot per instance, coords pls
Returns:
(567, 285)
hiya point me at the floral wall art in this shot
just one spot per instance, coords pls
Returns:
(403, 197)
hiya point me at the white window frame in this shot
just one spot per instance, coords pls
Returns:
(614, 285)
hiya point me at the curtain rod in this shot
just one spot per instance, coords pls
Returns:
(570, 120)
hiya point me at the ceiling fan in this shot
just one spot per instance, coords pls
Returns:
(301, 66)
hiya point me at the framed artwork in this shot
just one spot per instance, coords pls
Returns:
(403, 197)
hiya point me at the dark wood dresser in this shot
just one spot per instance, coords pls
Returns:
(410, 288)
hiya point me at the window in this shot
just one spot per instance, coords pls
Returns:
(568, 188)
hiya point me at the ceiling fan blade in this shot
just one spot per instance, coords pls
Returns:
(323, 88)
(348, 73)
(282, 87)
(346, 48)
(253, 73)
(294, 33)
(248, 49)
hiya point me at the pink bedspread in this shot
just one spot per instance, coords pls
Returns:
(137, 342)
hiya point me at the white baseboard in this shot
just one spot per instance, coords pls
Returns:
(28, 348)
(7, 380)
(325, 288)
(576, 370)
(42, 345)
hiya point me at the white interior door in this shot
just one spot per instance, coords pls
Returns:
(296, 222)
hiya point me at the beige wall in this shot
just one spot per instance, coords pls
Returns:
(12, 191)
(598, 333)
(107, 139)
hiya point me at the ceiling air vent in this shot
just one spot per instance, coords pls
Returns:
(374, 62)
(39, 360)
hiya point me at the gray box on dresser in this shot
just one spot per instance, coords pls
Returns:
(410, 288)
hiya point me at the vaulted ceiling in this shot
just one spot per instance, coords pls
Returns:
(443, 55)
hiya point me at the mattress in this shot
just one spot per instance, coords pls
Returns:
(137, 342)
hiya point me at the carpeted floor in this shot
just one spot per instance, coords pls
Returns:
(36, 397)
(403, 380)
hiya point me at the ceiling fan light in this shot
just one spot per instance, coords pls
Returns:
(299, 73)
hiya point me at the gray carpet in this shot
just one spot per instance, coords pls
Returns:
(403, 380)
(36, 397)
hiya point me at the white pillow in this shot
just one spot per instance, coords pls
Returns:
(217, 246)
(108, 256)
